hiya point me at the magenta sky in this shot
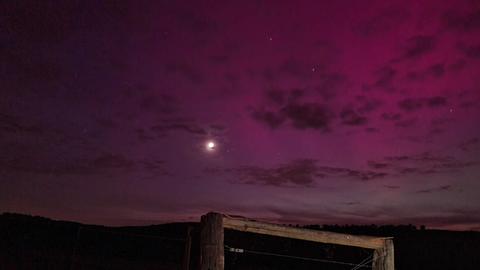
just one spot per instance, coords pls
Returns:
(333, 112)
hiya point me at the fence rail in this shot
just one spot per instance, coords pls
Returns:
(212, 240)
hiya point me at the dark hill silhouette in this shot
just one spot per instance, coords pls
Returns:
(29, 242)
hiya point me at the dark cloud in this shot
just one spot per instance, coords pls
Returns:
(455, 165)
(331, 84)
(354, 174)
(215, 170)
(289, 109)
(327, 83)
(217, 127)
(276, 96)
(282, 97)
(415, 170)
(420, 164)
(352, 118)
(471, 51)
(372, 129)
(383, 22)
(391, 116)
(102, 163)
(268, 74)
(436, 101)
(377, 165)
(423, 157)
(418, 46)
(111, 161)
(173, 124)
(300, 172)
(391, 187)
(308, 115)
(416, 76)
(271, 119)
(367, 175)
(10, 124)
(144, 136)
(434, 131)
(435, 71)
(468, 145)
(295, 94)
(414, 104)
(457, 65)
(437, 189)
(296, 173)
(366, 105)
(410, 104)
(160, 104)
(462, 22)
(385, 78)
(441, 121)
(179, 126)
(155, 167)
(406, 123)
(351, 203)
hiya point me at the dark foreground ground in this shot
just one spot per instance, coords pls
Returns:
(28, 242)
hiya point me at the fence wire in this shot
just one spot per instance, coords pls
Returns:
(362, 264)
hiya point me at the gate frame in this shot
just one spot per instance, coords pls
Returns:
(212, 255)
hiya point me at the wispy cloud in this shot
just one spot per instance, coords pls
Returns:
(98, 165)
(436, 189)
(296, 173)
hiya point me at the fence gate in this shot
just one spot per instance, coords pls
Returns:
(212, 236)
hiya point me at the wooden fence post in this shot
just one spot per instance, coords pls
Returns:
(188, 245)
(383, 258)
(211, 242)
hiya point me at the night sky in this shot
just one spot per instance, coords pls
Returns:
(347, 112)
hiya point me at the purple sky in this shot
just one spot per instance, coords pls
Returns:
(322, 112)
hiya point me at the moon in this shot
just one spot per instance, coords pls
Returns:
(210, 146)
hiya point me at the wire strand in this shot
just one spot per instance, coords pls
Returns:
(363, 262)
(369, 261)
(294, 257)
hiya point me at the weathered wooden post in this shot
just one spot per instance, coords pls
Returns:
(211, 242)
(187, 251)
(383, 258)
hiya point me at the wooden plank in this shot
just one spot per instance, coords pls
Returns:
(211, 242)
(303, 234)
(383, 258)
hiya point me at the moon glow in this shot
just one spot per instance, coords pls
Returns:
(210, 146)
